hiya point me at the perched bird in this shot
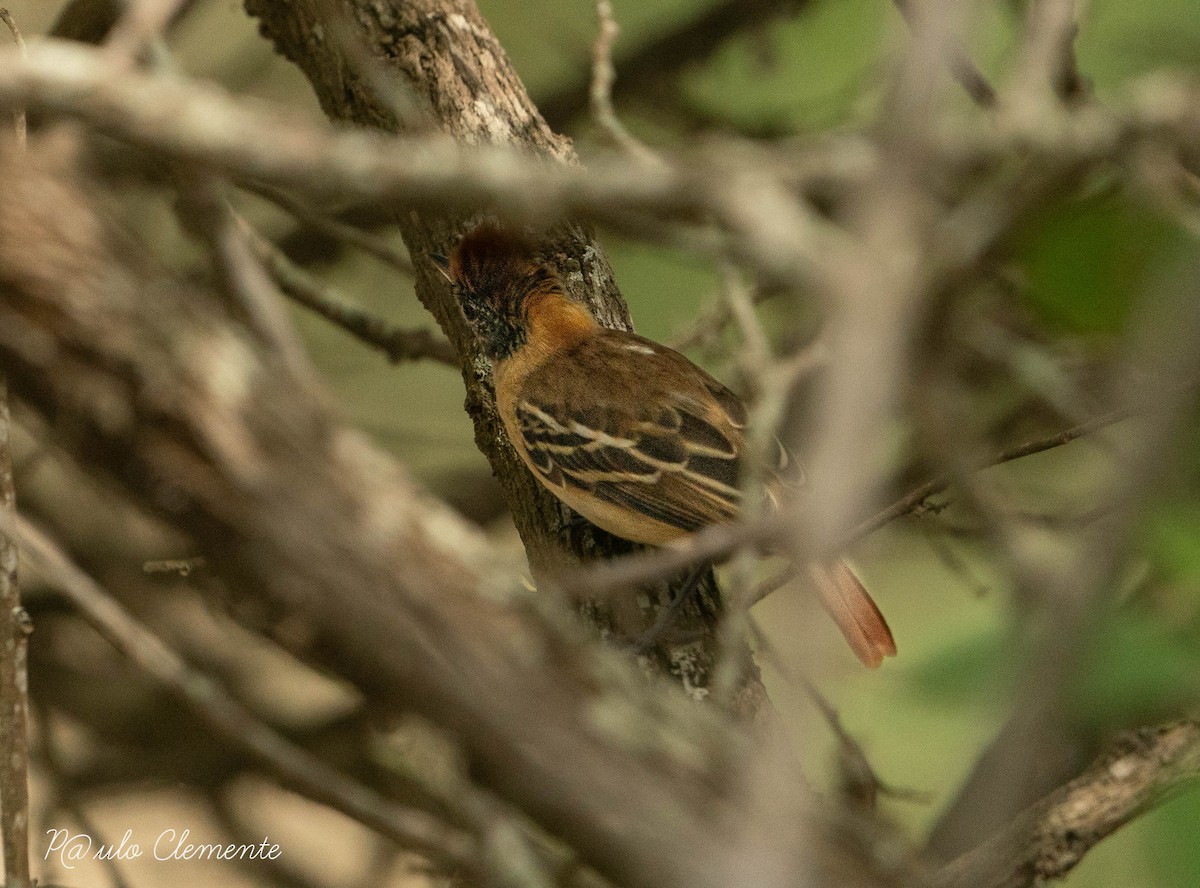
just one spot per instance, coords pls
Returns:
(627, 432)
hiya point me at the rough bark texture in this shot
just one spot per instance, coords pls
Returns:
(152, 384)
(14, 704)
(444, 53)
(1049, 839)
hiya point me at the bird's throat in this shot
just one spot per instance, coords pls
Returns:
(555, 322)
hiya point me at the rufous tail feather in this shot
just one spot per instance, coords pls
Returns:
(855, 613)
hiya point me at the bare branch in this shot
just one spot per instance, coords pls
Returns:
(1139, 771)
(1074, 591)
(395, 592)
(249, 140)
(19, 114)
(305, 289)
(206, 212)
(914, 499)
(603, 77)
(15, 627)
(646, 68)
(237, 725)
(336, 229)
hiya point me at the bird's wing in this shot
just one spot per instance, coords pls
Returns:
(667, 459)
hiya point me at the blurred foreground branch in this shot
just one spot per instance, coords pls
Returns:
(294, 767)
(303, 518)
(14, 683)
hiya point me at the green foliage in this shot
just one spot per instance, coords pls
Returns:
(1087, 261)
(1139, 669)
(965, 671)
(1173, 538)
(1173, 853)
(805, 74)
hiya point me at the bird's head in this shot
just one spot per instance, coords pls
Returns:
(494, 274)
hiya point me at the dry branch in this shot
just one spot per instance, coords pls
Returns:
(15, 626)
(645, 69)
(295, 767)
(1140, 770)
(397, 343)
(459, 80)
(14, 685)
(302, 518)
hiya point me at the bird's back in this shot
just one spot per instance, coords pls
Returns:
(629, 433)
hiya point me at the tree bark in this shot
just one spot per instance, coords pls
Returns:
(445, 56)
(316, 535)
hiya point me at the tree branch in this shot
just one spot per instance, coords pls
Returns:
(397, 343)
(1141, 770)
(15, 627)
(295, 767)
(443, 52)
(89, 21)
(644, 69)
(302, 518)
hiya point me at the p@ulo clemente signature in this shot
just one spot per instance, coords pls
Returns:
(70, 849)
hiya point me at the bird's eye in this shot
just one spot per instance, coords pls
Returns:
(470, 310)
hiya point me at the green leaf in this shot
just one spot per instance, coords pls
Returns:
(1138, 669)
(1087, 261)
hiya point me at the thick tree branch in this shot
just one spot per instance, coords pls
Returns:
(1140, 770)
(443, 53)
(302, 518)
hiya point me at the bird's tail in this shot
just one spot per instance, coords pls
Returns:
(854, 611)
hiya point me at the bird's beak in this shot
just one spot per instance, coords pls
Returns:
(442, 264)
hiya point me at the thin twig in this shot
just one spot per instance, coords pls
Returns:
(643, 71)
(379, 247)
(19, 115)
(236, 724)
(603, 77)
(913, 500)
(205, 211)
(859, 780)
(15, 627)
(398, 343)
(969, 77)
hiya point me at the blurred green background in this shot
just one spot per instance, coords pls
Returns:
(924, 717)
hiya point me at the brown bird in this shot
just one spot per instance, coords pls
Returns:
(627, 432)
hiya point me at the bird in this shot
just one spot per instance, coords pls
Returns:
(628, 433)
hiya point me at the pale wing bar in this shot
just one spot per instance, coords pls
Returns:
(676, 468)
